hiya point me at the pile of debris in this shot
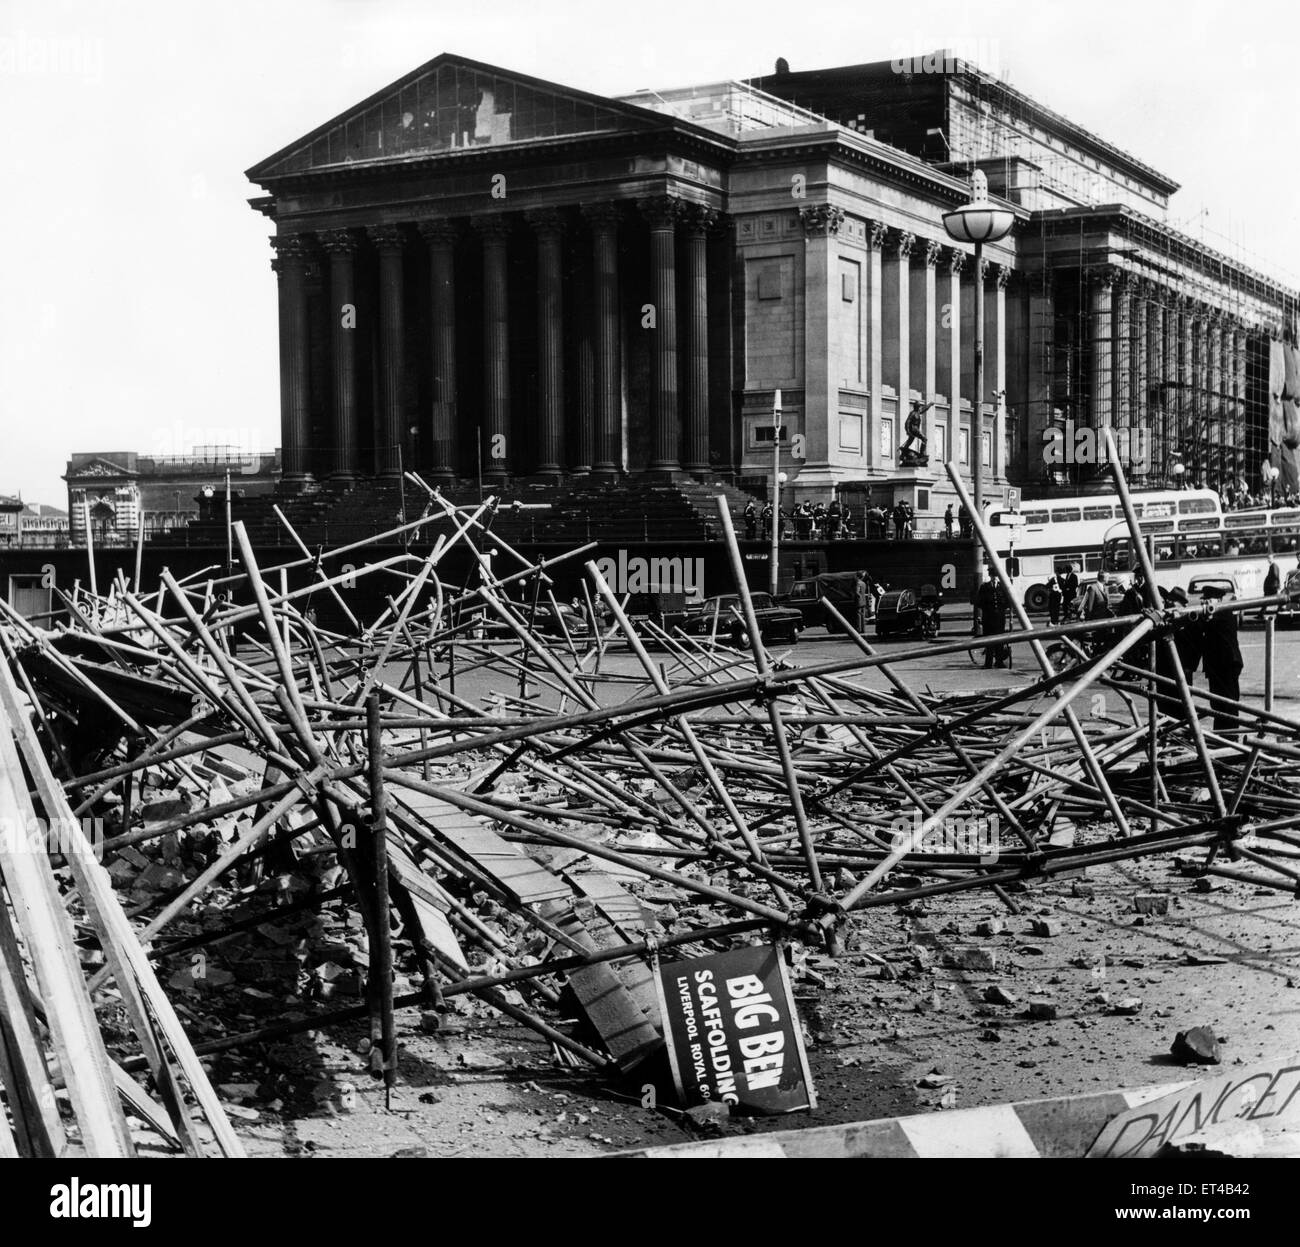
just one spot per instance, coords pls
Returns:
(237, 802)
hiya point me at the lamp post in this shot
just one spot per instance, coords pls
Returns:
(978, 222)
(772, 571)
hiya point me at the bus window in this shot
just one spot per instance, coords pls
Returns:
(1036, 517)
(1239, 521)
(1284, 542)
(1206, 547)
(1064, 562)
(1281, 518)
(1065, 515)
(1091, 561)
(1197, 506)
(1099, 513)
(1254, 543)
(1119, 555)
(1165, 551)
(1188, 526)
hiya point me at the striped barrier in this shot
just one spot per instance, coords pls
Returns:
(1065, 1126)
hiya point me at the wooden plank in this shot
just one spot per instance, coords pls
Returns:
(527, 881)
(429, 903)
(620, 1021)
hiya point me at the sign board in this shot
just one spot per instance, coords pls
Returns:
(733, 1034)
(1268, 1096)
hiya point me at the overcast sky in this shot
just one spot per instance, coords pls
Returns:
(137, 302)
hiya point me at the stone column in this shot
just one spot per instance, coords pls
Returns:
(921, 365)
(1240, 345)
(441, 237)
(875, 343)
(956, 261)
(662, 213)
(341, 245)
(1121, 350)
(604, 218)
(998, 323)
(699, 220)
(899, 352)
(1101, 326)
(581, 317)
(1185, 390)
(549, 227)
(390, 430)
(1156, 376)
(821, 390)
(290, 265)
(1138, 416)
(494, 435)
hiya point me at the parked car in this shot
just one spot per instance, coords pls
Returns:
(809, 598)
(724, 616)
(545, 622)
(665, 610)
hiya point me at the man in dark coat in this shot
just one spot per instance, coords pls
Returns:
(751, 520)
(1187, 641)
(1221, 656)
(991, 603)
(1069, 579)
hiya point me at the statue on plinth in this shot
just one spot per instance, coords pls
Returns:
(912, 453)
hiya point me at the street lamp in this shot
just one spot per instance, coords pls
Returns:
(778, 477)
(978, 222)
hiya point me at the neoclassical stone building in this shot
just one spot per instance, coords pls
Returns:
(481, 271)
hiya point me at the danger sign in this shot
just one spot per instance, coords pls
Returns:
(732, 1032)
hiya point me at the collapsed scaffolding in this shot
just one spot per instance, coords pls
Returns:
(771, 801)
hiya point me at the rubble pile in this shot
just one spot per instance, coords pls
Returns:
(270, 826)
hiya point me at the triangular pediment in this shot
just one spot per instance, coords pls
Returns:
(447, 106)
(98, 467)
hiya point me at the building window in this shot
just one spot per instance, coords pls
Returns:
(765, 433)
(939, 441)
(887, 437)
(851, 433)
(963, 444)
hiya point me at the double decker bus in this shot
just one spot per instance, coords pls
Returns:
(1237, 547)
(1047, 535)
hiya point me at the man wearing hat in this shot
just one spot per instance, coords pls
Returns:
(1187, 641)
(1221, 656)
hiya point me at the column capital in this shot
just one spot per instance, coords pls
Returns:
(386, 237)
(955, 258)
(546, 220)
(291, 249)
(931, 251)
(441, 232)
(604, 214)
(661, 211)
(699, 218)
(902, 242)
(1002, 274)
(493, 228)
(339, 242)
(821, 220)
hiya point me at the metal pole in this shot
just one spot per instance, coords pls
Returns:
(90, 547)
(383, 1033)
(230, 547)
(773, 577)
(977, 409)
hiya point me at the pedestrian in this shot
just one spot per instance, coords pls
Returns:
(1069, 590)
(834, 519)
(947, 522)
(1054, 600)
(1272, 585)
(751, 520)
(963, 520)
(1095, 603)
(861, 598)
(992, 610)
(767, 521)
(899, 517)
(1187, 639)
(1221, 657)
(909, 517)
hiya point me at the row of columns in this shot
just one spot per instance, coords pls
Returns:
(928, 269)
(1146, 336)
(680, 422)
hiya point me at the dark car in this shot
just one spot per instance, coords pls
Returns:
(665, 610)
(809, 598)
(724, 617)
(545, 622)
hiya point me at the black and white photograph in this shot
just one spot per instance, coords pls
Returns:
(639, 582)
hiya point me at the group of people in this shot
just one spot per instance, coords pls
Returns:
(808, 521)
(901, 516)
(964, 525)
